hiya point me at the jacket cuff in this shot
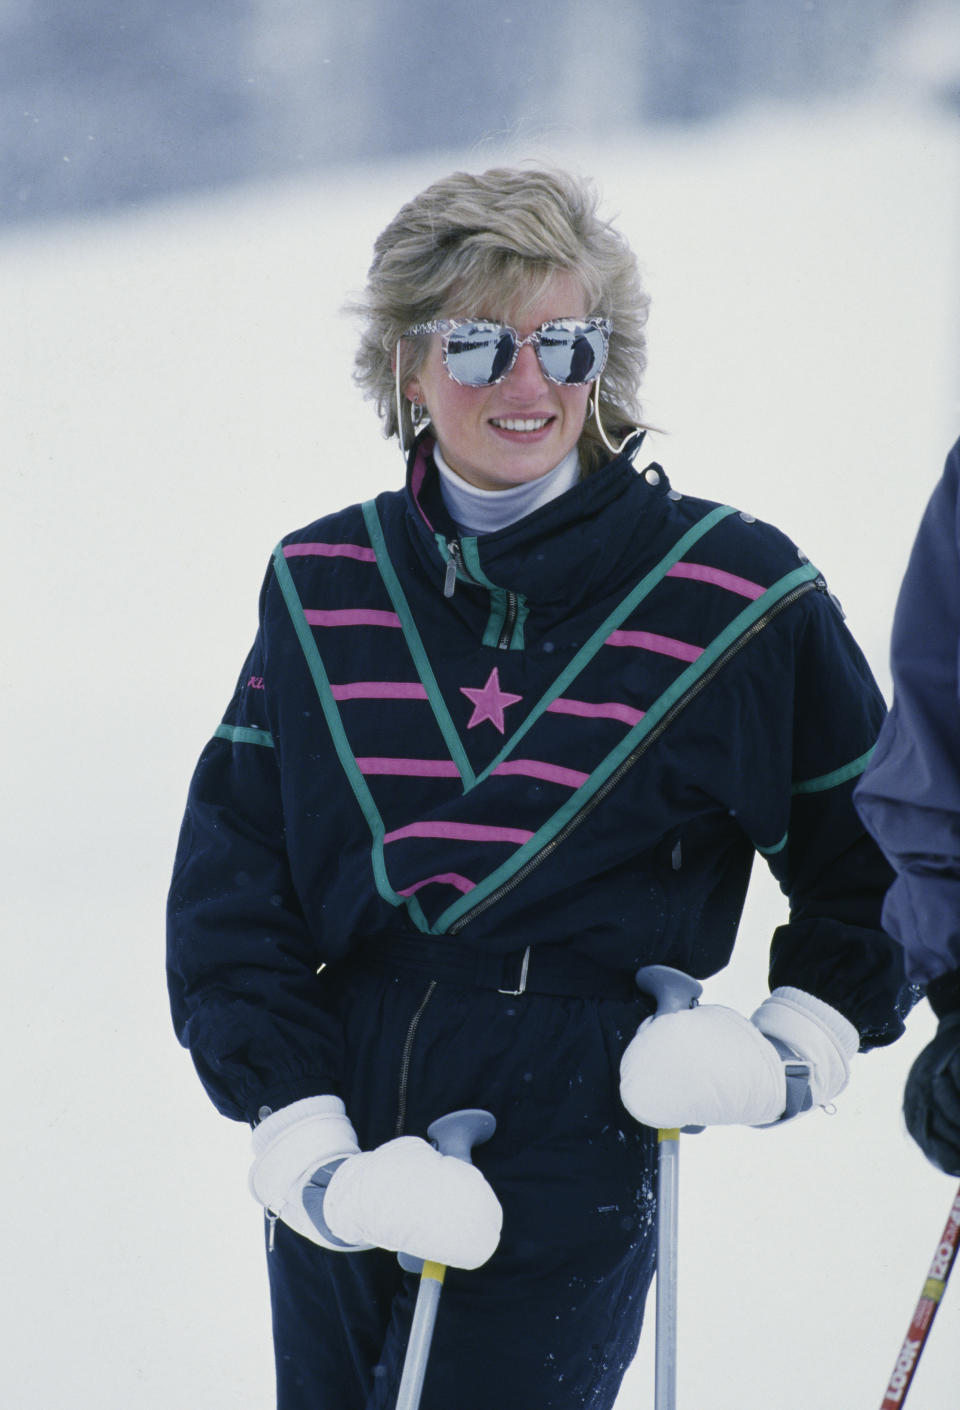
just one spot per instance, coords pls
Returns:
(274, 1123)
(944, 993)
(266, 1100)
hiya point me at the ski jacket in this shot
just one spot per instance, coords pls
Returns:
(576, 730)
(910, 796)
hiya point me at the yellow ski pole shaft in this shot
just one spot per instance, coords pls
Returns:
(421, 1335)
(455, 1134)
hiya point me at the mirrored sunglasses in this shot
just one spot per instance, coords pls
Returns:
(479, 353)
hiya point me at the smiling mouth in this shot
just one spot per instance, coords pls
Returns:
(520, 423)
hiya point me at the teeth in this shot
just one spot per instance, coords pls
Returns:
(514, 423)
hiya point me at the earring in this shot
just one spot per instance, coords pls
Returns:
(418, 414)
(614, 450)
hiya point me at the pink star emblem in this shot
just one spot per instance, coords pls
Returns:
(489, 702)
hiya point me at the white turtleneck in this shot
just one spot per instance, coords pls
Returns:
(476, 511)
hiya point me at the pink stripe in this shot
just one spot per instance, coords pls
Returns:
(446, 878)
(413, 768)
(536, 768)
(605, 710)
(465, 832)
(416, 484)
(650, 641)
(701, 573)
(330, 550)
(351, 617)
(379, 690)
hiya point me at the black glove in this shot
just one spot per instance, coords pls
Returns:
(931, 1099)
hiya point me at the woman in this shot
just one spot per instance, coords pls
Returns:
(504, 736)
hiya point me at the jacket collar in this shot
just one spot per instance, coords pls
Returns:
(581, 544)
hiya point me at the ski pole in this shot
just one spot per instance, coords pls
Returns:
(672, 990)
(455, 1134)
(925, 1311)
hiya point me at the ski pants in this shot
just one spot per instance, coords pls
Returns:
(553, 1319)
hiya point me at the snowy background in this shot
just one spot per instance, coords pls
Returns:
(178, 395)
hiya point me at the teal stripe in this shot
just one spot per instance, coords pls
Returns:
(777, 847)
(517, 641)
(420, 660)
(838, 776)
(499, 598)
(471, 559)
(620, 613)
(661, 705)
(340, 742)
(241, 734)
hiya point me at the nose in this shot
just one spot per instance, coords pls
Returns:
(526, 376)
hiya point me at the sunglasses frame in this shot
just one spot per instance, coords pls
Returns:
(447, 326)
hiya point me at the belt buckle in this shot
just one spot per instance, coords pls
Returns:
(524, 966)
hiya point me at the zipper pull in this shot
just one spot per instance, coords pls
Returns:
(450, 572)
(272, 1218)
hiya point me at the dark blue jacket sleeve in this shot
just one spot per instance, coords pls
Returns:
(799, 814)
(910, 796)
(241, 965)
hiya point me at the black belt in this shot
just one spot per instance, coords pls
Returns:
(539, 969)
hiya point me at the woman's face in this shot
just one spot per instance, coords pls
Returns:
(518, 430)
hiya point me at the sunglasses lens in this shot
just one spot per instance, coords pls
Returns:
(572, 352)
(478, 354)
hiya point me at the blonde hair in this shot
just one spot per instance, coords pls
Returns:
(502, 234)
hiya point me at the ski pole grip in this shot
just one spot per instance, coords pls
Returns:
(455, 1134)
(670, 989)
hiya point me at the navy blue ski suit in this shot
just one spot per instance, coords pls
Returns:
(455, 768)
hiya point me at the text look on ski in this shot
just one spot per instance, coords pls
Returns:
(505, 735)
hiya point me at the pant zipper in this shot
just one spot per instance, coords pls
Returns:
(407, 1053)
(622, 769)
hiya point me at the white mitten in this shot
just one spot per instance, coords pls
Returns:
(814, 1032)
(407, 1196)
(710, 1066)
(705, 1066)
(289, 1147)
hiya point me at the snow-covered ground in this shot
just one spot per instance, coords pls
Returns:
(177, 395)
